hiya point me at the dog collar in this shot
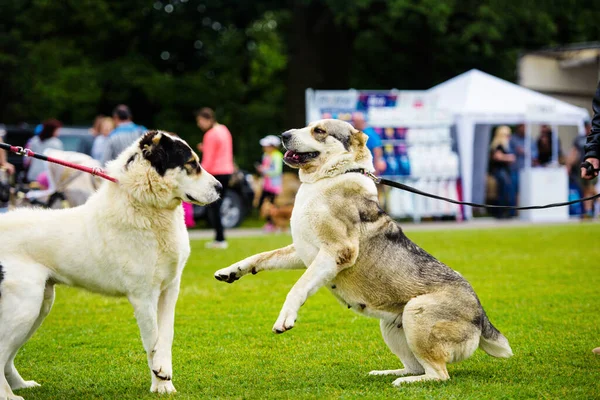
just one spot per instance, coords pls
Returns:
(366, 173)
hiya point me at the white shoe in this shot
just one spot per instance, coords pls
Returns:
(216, 245)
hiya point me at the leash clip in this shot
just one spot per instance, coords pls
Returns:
(22, 151)
(96, 171)
(373, 177)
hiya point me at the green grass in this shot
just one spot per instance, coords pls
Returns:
(539, 286)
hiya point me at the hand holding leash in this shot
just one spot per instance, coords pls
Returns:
(590, 168)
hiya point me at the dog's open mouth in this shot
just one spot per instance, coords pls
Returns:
(192, 199)
(294, 158)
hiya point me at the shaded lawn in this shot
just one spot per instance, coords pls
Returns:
(539, 286)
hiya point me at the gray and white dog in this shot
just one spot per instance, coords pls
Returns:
(429, 314)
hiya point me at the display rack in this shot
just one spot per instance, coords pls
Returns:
(419, 152)
(417, 140)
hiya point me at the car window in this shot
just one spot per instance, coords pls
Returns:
(71, 143)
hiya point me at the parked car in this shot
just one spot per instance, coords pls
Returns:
(237, 202)
(76, 139)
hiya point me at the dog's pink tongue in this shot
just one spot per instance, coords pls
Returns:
(291, 154)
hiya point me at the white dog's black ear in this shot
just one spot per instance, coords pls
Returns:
(163, 152)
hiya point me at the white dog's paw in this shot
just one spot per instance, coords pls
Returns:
(411, 379)
(232, 273)
(161, 367)
(162, 373)
(397, 372)
(5, 396)
(163, 387)
(285, 322)
(25, 385)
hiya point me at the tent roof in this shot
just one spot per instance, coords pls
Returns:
(480, 94)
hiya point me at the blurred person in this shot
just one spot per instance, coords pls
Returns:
(501, 160)
(95, 129)
(105, 126)
(125, 133)
(574, 159)
(375, 146)
(47, 139)
(3, 156)
(217, 160)
(517, 146)
(374, 143)
(35, 139)
(592, 150)
(271, 170)
(545, 147)
(86, 143)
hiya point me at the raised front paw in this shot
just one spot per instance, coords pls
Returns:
(285, 322)
(231, 273)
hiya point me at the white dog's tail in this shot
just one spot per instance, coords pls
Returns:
(492, 341)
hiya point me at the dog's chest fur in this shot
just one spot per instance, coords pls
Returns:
(302, 225)
(313, 207)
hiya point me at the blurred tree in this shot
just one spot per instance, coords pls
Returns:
(73, 59)
(252, 60)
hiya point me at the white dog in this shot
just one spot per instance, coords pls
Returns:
(129, 239)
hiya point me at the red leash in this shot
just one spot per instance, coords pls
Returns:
(28, 153)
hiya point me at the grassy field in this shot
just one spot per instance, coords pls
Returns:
(540, 286)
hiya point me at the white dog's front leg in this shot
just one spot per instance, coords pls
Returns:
(146, 314)
(284, 258)
(322, 270)
(162, 367)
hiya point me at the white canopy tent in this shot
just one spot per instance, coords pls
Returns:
(478, 101)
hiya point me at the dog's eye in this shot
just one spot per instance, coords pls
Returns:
(318, 130)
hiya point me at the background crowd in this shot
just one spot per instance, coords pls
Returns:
(508, 157)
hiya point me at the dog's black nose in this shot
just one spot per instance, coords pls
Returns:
(286, 135)
(218, 188)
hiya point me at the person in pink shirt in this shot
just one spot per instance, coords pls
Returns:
(217, 160)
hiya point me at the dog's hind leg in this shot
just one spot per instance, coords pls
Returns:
(12, 375)
(438, 331)
(146, 314)
(395, 338)
(21, 299)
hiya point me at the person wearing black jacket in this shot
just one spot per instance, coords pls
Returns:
(592, 145)
(592, 150)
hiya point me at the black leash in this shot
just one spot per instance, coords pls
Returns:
(398, 185)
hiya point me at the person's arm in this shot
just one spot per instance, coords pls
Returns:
(378, 160)
(377, 151)
(592, 145)
(500, 156)
(4, 161)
